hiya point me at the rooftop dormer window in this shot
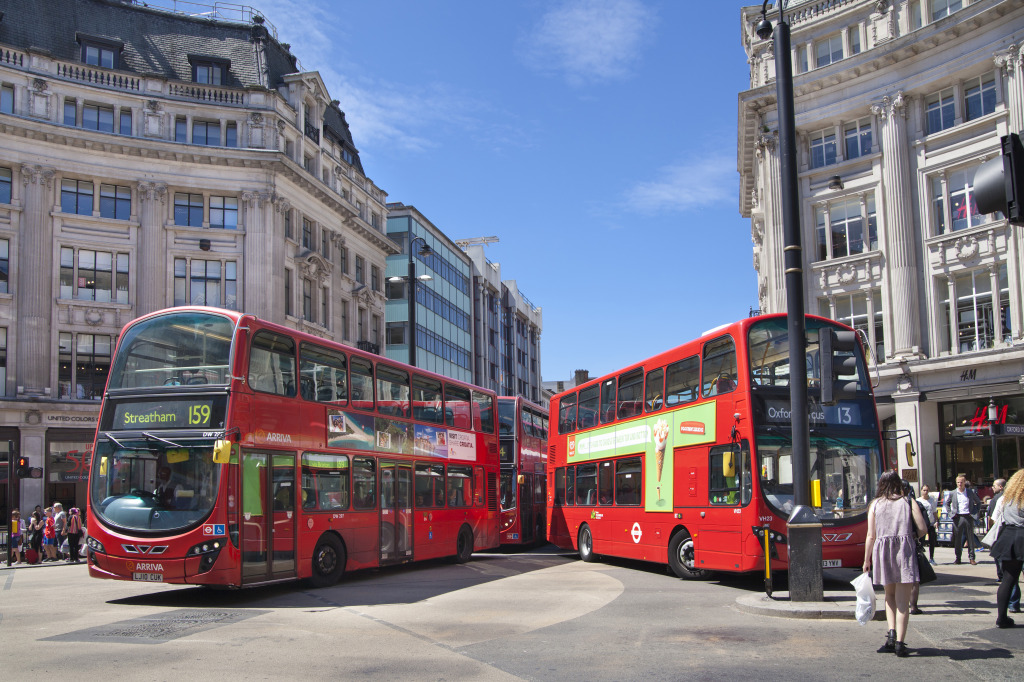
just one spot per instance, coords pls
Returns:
(100, 51)
(209, 70)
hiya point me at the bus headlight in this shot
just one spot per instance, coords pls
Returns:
(95, 545)
(209, 551)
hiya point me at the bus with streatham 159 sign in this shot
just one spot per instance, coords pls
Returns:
(231, 451)
(522, 446)
(686, 459)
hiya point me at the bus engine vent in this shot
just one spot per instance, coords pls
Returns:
(553, 453)
(492, 492)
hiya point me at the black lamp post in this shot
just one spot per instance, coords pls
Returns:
(993, 417)
(411, 293)
(803, 526)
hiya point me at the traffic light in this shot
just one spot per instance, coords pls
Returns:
(22, 469)
(999, 183)
(838, 361)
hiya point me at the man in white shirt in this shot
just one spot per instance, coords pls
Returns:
(962, 504)
(929, 506)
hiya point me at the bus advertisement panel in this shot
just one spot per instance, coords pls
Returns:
(686, 458)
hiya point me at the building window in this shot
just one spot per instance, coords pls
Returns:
(207, 73)
(5, 185)
(206, 133)
(344, 320)
(325, 244)
(375, 220)
(307, 300)
(181, 129)
(374, 278)
(231, 134)
(839, 228)
(76, 196)
(288, 224)
(324, 308)
(963, 208)
(307, 234)
(206, 282)
(823, 148)
(125, 127)
(5, 263)
(224, 212)
(96, 117)
(93, 275)
(828, 51)
(99, 55)
(975, 325)
(188, 209)
(857, 138)
(943, 8)
(861, 311)
(287, 292)
(70, 112)
(360, 270)
(115, 202)
(84, 362)
(801, 59)
(941, 111)
(980, 96)
(855, 40)
(343, 259)
(7, 99)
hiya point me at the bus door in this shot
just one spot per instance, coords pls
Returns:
(268, 516)
(395, 512)
(720, 542)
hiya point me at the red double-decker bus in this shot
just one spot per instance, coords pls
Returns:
(686, 458)
(522, 445)
(232, 451)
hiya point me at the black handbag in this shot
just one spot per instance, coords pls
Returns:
(925, 572)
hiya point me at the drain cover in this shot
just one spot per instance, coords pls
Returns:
(157, 628)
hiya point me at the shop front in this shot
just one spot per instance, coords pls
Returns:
(968, 440)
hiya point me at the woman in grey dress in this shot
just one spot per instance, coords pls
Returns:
(890, 548)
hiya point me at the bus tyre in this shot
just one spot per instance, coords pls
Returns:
(328, 561)
(464, 545)
(585, 542)
(680, 557)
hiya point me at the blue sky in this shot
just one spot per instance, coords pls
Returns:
(595, 138)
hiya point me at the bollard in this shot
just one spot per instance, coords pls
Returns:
(805, 581)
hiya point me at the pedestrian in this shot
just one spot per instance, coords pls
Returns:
(35, 533)
(930, 506)
(1008, 548)
(963, 504)
(997, 492)
(915, 592)
(17, 534)
(49, 536)
(890, 553)
(74, 535)
(60, 526)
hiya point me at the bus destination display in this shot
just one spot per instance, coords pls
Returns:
(166, 414)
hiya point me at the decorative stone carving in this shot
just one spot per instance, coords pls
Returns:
(846, 273)
(256, 199)
(153, 106)
(337, 239)
(317, 267)
(256, 118)
(281, 205)
(37, 174)
(891, 106)
(93, 317)
(966, 248)
(153, 190)
(757, 232)
(39, 85)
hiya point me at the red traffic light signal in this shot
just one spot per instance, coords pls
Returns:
(22, 468)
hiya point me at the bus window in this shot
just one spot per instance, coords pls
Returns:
(654, 392)
(719, 366)
(631, 385)
(460, 486)
(567, 414)
(392, 391)
(456, 407)
(586, 484)
(627, 481)
(588, 406)
(544, 427)
(429, 485)
(570, 486)
(426, 400)
(272, 364)
(325, 482)
(729, 469)
(608, 401)
(362, 384)
(507, 420)
(682, 381)
(605, 483)
(324, 375)
(364, 483)
(483, 412)
(527, 422)
(559, 486)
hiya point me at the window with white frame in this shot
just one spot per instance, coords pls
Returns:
(980, 96)
(7, 98)
(115, 202)
(188, 209)
(955, 190)
(360, 270)
(801, 59)
(307, 300)
(76, 196)
(374, 278)
(87, 275)
(975, 323)
(181, 129)
(83, 365)
(98, 117)
(828, 50)
(5, 263)
(99, 55)
(845, 227)
(206, 133)
(208, 72)
(5, 185)
(861, 310)
(206, 282)
(943, 8)
(854, 32)
(941, 110)
(224, 213)
(916, 17)
(125, 122)
(307, 234)
(823, 148)
(857, 138)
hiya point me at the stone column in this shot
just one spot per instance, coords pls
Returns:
(35, 280)
(1012, 69)
(772, 258)
(151, 285)
(899, 224)
(257, 292)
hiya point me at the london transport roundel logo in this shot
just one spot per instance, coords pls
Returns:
(637, 533)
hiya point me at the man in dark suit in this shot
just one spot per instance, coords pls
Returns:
(962, 505)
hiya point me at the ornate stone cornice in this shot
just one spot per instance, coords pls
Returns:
(316, 266)
(37, 174)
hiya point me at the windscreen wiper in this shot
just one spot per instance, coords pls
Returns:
(162, 440)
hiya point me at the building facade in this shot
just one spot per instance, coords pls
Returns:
(149, 159)
(898, 102)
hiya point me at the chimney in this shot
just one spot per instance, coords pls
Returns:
(582, 376)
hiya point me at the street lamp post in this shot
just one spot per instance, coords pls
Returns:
(803, 526)
(411, 293)
(993, 417)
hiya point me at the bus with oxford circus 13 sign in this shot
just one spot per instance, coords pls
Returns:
(231, 451)
(686, 458)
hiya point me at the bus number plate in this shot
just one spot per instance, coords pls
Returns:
(148, 577)
(831, 563)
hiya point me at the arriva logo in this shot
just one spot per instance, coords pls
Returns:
(265, 437)
(149, 567)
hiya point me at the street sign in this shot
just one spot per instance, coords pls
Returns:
(1013, 429)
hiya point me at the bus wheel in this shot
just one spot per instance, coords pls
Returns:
(585, 542)
(328, 561)
(464, 545)
(680, 557)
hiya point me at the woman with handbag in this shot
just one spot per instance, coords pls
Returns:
(35, 537)
(891, 550)
(926, 573)
(1008, 548)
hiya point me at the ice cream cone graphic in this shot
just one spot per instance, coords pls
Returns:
(660, 432)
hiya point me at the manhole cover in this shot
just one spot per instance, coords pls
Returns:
(156, 628)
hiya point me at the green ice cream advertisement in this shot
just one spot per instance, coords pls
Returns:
(656, 437)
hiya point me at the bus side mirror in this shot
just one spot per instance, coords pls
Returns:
(728, 464)
(910, 454)
(222, 451)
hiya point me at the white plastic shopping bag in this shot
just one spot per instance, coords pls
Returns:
(865, 597)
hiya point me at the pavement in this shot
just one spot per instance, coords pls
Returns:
(937, 596)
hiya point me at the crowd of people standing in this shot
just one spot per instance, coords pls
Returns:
(49, 535)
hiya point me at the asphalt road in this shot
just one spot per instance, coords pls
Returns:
(537, 615)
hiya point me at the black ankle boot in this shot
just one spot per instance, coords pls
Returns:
(901, 650)
(890, 643)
